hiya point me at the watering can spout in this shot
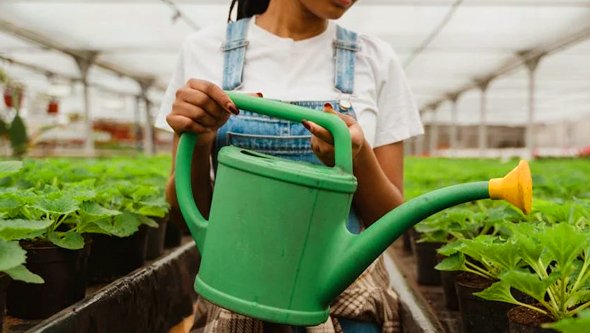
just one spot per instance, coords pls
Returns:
(364, 248)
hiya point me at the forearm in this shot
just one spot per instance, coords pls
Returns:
(376, 193)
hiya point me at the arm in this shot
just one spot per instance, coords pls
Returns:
(379, 174)
(200, 107)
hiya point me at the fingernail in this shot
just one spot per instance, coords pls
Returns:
(259, 94)
(328, 106)
(306, 124)
(232, 108)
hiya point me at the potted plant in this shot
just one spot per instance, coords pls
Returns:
(70, 209)
(481, 260)
(557, 275)
(134, 188)
(463, 222)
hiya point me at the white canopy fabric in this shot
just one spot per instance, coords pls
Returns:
(444, 45)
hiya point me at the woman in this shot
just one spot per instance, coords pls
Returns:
(291, 51)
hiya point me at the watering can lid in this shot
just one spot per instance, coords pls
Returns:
(304, 173)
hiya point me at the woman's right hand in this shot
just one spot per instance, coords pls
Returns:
(200, 107)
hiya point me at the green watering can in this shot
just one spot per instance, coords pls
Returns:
(276, 246)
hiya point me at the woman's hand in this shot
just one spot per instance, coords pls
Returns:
(322, 142)
(200, 107)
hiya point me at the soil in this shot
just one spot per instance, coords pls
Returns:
(528, 317)
(473, 281)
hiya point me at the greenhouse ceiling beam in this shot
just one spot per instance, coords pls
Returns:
(520, 60)
(49, 73)
(422, 3)
(36, 38)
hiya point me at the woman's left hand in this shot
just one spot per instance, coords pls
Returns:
(322, 142)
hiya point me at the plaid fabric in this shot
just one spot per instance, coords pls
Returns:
(369, 298)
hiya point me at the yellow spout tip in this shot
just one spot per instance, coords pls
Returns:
(516, 187)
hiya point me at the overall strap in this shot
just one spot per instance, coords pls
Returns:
(345, 48)
(234, 52)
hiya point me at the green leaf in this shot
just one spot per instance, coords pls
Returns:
(56, 203)
(451, 248)
(8, 168)
(18, 136)
(21, 229)
(572, 325)
(528, 283)
(3, 128)
(122, 225)
(456, 262)
(499, 291)
(21, 273)
(578, 297)
(524, 235)
(149, 210)
(81, 191)
(96, 210)
(563, 242)
(11, 255)
(9, 205)
(68, 240)
(148, 221)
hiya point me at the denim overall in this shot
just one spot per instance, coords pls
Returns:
(283, 138)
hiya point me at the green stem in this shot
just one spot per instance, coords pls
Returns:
(59, 221)
(478, 270)
(540, 271)
(581, 275)
(578, 309)
(563, 295)
(532, 307)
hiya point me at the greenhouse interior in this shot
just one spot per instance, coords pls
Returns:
(469, 212)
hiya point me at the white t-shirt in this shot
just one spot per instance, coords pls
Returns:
(289, 70)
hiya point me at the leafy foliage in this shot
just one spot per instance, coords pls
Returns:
(60, 200)
(544, 255)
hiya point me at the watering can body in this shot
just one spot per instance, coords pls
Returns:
(276, 246)
(275, 226)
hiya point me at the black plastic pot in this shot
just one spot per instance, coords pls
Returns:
(449, 290)
(173, 236)
(64, 272)
(4, 282)
(448, 284)
(155, 239)
(477, 314)
(525, 320)
(112, 257)
(425, 261)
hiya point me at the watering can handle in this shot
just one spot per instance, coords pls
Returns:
(186, 145)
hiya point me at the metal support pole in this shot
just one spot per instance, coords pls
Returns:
(482, 139)
(454, 135)
(411, 147)
(148, 129)
(420, 145)
(433, 140)
(531, 64)
(136, 125)
(84, 63)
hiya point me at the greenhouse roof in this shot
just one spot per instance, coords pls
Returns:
(445, 46)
